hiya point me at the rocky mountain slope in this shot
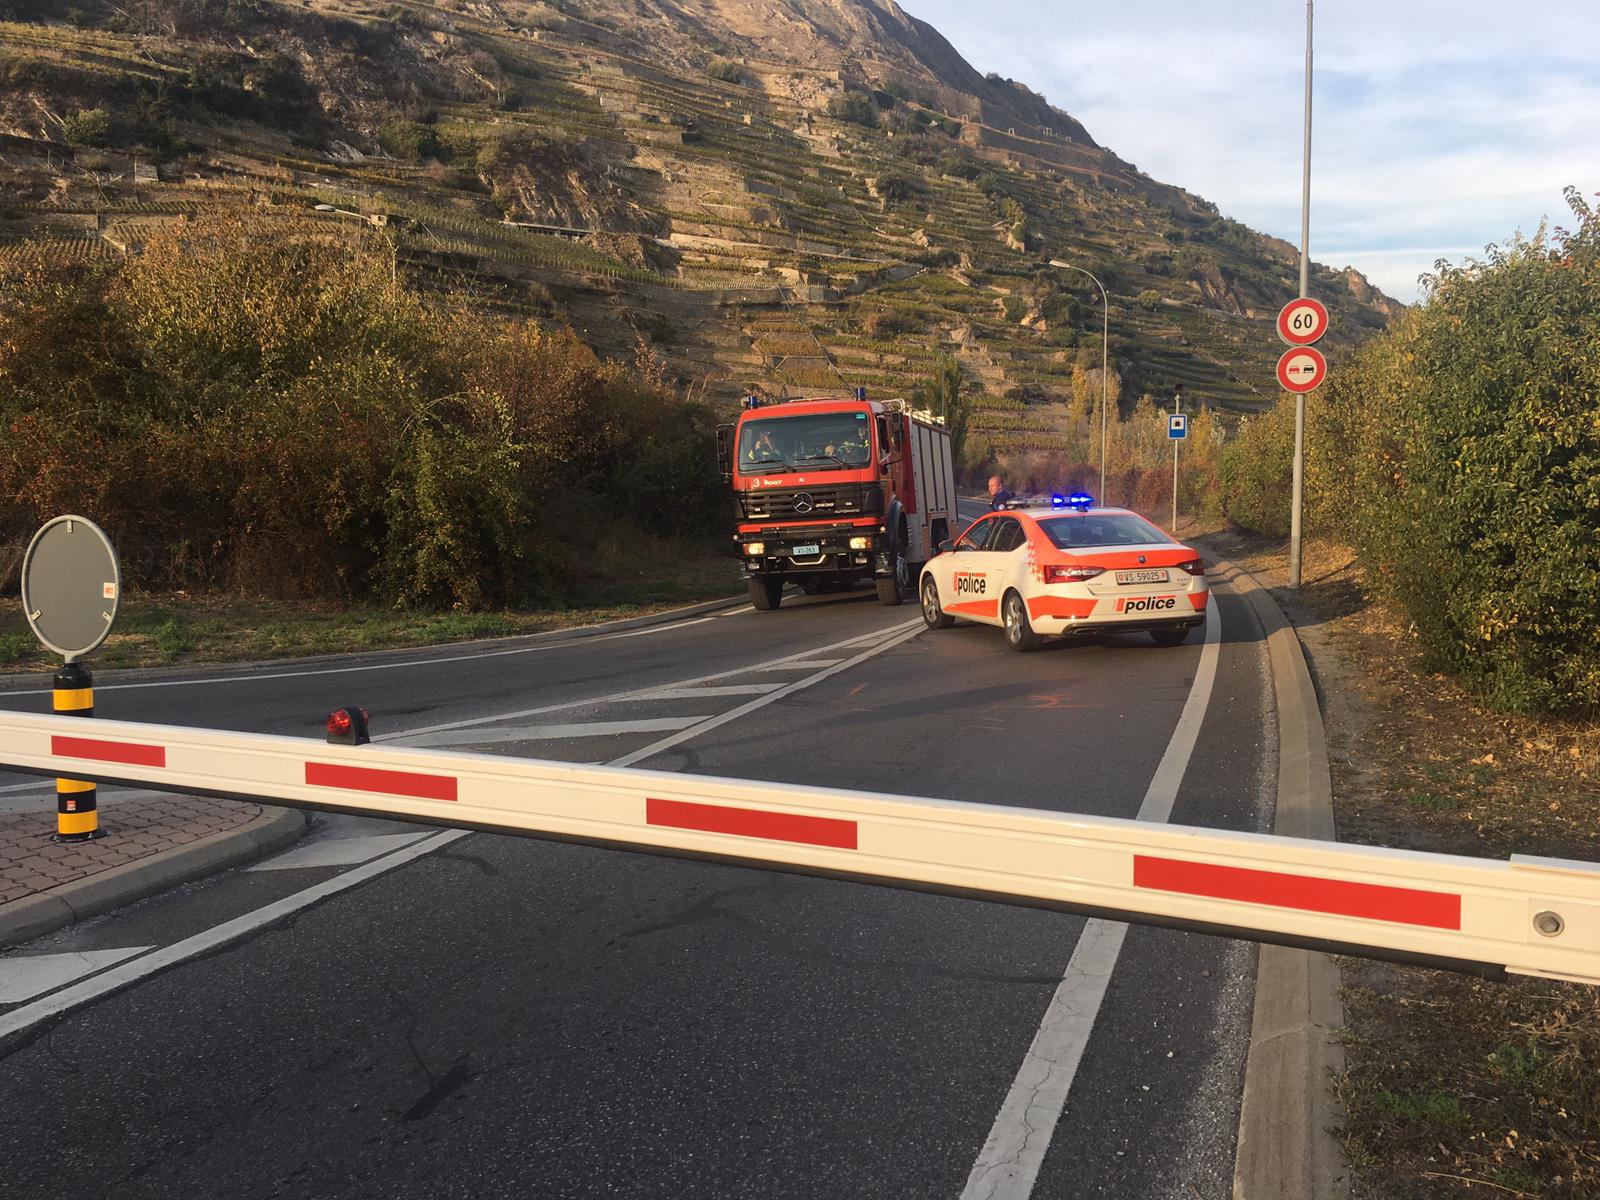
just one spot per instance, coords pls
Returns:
(787, 195)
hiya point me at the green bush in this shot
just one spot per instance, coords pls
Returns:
(87, 127)
(1150, 299)
(1480, 505)
(727, 72)
(1253, 473)
(410, 141)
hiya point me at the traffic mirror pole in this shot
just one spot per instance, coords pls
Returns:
(77, 800)
(1298, 488)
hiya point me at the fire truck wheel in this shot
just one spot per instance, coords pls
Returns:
(889, 590)
(766, 594)
(1019, 630)
(933, 613)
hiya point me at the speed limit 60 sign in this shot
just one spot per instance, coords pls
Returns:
(1302, 321)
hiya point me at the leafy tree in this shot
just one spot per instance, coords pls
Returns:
(1150, 299)
(855, 108)
(946, 396)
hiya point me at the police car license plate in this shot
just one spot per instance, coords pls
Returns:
(805, 551)
(1146, 576)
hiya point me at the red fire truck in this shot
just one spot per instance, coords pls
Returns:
(827, 492)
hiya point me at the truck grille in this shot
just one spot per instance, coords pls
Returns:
(804, 503)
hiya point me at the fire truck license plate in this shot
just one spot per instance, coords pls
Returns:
(1141, 577)
(806, 551)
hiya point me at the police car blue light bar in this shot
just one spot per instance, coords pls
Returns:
(1057, 500)
(1080, 500)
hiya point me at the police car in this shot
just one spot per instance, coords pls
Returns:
(1063, 566)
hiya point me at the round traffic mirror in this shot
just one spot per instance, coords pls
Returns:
(70, 586)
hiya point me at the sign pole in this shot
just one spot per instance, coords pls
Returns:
(1177, 410)
(1298, 483)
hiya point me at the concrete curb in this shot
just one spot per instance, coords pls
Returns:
(1285, 1146)
(34, 916)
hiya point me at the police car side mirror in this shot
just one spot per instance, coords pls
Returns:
(944, 547)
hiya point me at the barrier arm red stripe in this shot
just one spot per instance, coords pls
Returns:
(97, 750)
(1308, 893)
(751, 822)
(384, 783)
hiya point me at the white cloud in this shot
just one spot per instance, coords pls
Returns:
(1437, 126)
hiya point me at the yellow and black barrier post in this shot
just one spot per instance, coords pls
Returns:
(77, 808)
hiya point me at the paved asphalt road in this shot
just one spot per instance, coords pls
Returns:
(505, 1017)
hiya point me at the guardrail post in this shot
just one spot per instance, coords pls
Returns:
(77, 811)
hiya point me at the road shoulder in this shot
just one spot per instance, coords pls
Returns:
(1285, 1144)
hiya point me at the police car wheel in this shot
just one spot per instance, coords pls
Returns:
(933, 614)
(1019, 631)
(1169, 637)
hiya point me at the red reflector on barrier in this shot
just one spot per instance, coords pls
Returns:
(1373, 901)
(749, 822)
(385, 783)
(115, 752)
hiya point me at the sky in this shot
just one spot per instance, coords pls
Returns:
(1437, 128)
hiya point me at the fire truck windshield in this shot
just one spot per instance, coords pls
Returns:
(816, 441)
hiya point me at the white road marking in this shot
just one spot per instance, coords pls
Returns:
(32, 974)
(1008, 1165)
(910, 629)
(693, 693)
(486, 736)
(130, 972)
(652, 629)
(735, 612)
(789, 662)
(338, 852)
(136, 969)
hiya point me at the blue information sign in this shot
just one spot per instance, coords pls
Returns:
(1177, 426)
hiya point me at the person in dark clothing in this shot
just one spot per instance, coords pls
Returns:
(998, 496)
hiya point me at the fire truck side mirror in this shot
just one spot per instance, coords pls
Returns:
(725, 450)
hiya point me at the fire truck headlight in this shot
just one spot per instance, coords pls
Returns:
(860, 543)
(755, 548)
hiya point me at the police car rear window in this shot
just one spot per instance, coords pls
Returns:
(1077, 531)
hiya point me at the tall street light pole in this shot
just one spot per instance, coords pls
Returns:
(1299, 477)
(1105, 361)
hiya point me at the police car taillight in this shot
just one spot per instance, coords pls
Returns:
(1194, 567)
(1071, 574)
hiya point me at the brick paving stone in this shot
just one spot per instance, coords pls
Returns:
(137, 827)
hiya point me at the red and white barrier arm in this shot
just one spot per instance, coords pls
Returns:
(1529, 916)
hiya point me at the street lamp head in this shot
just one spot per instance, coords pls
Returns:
(323, 207)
